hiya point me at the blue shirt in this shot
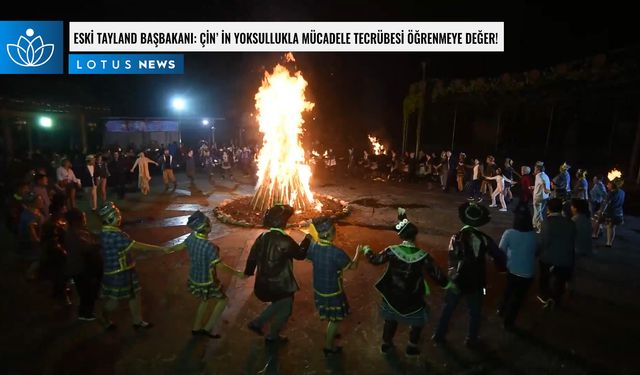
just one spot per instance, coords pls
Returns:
(203, 255)
(328, 264)
(598, 193)
(582, 188)
(615, 201)
(521, 251)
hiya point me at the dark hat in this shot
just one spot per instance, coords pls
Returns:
(277, 216)
(405, 229)
(322, 224)
(197, 221)
(474, 214)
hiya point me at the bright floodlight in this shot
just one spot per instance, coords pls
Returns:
(205, 122)
(179, 104)
(45, 122)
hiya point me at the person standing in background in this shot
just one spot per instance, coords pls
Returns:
(541, 191)
(88, 178)
(68, 182)
(597, 195)
(102, 174)
(526, 185)
(118, 167)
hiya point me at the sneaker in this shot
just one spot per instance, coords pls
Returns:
(142, 325)
(412, 351)
(493, 205)
(503, 210)
(542, 300)
(479, 200)
(87, 318)
(386, 348)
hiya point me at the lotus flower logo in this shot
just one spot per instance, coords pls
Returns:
(30, 51)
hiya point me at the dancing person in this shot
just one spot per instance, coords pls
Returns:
(167, 165)
(612, 211)
(597, 196)
(581, 189)
(203, 283)
(460, 171)
(443, 170)
(142, 163)
(489, 170)
(526, 185)
(403, 287)
(272, 254)
(190, 167)
(476, 179)
(102, 175)
(120, 279)
(84, 262)
(557, 254)
(520, 244)
(467, 270)
(562, 183)
(510, 173)
(68, 182)
(88, 178)
(226, 164)
(499, 191)
(329, 264)
(541, 191)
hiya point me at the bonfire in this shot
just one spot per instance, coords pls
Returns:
(283, 174)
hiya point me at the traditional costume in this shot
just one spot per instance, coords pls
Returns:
(203, 281)
(403, 286)
(329, 264)
(120, 280)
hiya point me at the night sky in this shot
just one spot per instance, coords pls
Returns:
(349, 88)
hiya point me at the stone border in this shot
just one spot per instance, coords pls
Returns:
(225, 218)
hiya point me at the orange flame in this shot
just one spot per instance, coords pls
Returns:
(378, 148)
(283, 175)
(613, 174)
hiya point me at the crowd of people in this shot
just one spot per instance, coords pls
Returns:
(554, 222)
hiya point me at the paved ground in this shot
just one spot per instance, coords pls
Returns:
(595, 333)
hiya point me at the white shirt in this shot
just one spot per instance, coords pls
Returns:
(542, 183)
(500, 180)
(66, 175)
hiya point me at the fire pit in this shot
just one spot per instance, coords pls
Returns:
(240, 212)
(283, 173)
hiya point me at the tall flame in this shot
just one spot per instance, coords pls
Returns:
(613, 174)
(378, 148)
(283, 175)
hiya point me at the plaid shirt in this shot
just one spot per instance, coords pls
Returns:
(115, 250)
(328, 264)
(203, 255)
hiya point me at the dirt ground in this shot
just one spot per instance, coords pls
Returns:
(596, 331)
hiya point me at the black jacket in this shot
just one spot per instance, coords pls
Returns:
(84, 252)
(402, 285)
(467, 251)
(272, 254)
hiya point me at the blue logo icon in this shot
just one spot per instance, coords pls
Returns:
(31, 47)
